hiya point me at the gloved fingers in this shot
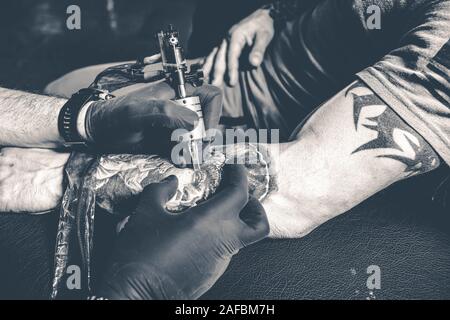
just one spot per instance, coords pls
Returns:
(154, 197)
(262, 40)
(142, 92)
(209, 62)
(160, 90)
(163, 114)
(237, 42)
(220, 64)
(254, 223)
(232, 196)
(211, 100)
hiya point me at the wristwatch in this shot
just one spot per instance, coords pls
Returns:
(67, 120)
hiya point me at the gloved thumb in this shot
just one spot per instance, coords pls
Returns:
(262, 40)
(232, 195)
(156, 195)
(254, 223)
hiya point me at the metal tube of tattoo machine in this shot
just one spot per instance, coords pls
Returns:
(175, 69)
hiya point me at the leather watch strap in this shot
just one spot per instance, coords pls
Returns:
(67, 120)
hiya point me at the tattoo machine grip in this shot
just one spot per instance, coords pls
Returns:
(176, 72)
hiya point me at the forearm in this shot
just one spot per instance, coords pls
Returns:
(351, 148)
(29, 120)
(31, 180)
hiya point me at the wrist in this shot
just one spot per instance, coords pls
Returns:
(81, 122)
(91, 120)
(73, 116)
(55, 140)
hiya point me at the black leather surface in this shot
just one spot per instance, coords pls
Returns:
(414, 264)
(400, 230)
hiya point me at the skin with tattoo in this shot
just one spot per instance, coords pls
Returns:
(352, 147)
(399, 140)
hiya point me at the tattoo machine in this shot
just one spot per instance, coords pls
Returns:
(177, 73)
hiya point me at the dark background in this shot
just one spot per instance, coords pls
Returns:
(36, 47)
(401, 229)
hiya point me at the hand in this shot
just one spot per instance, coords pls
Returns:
(142, 120)
(256, 31)
(31, 180)
(162, 256)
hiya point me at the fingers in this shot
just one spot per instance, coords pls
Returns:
(152, 59)
(151, 105)
(262, 40)
(236, 44)
(207, 66)
(233, 195)
(220, 65)
(162, 114)
(225, 59)
(159, 90)
(211, 100)
(177, 117)
(155, 196)
(254, 223)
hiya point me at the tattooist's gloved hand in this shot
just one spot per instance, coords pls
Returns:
(162, 256)
(142, 120)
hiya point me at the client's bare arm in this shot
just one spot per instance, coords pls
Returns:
(31, 180)
(352, 147)
(29, 120)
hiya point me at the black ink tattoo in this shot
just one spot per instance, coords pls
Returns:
(402, 143)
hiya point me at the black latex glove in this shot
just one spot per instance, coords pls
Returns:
(143, 120)
(162, 256)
